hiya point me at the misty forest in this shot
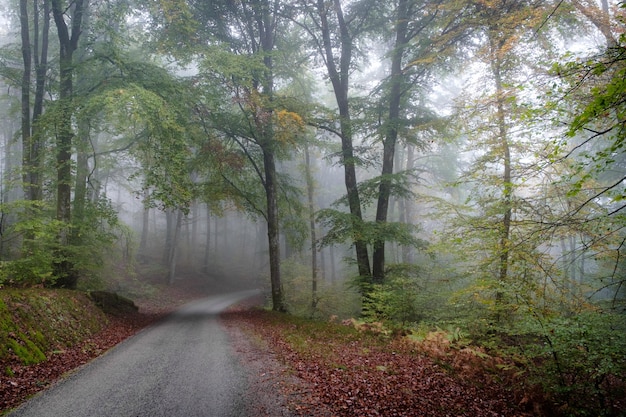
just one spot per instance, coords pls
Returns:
(455, 165)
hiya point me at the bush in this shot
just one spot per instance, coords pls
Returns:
(580, 361)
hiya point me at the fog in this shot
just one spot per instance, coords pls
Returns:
(482, 150)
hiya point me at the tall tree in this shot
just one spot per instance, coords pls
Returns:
(396, 92)
(501, 26)
(334, 34)
(26, 79)
(253, 36)
(34, 54)
(68, 43)
(424, 37)
(591, 104)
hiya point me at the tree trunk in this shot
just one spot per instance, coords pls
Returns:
(408, 253)
(193, 244)
(507, 186)
(340, 82)
(27, 146)
(68, 43)
(173, 249)
(600, 18)
(273, 230)
(207, 245)
(40, 50)
(82, 174)
(145, 225)
(390, 137)
(169, 233)
(310, 186)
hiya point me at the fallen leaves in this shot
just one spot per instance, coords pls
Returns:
(365, 375)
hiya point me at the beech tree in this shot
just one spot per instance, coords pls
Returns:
(590, 103)
(249, 73)
(424, 35)
(495, 134)
(334, 30)
(35, 57)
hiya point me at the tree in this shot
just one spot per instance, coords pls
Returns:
(334, 32)
(501, 26)
(425, 36)
(68, 44)
(253, 37)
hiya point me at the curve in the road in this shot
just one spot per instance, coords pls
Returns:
(182, 366)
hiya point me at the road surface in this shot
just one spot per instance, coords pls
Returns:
(182, 366)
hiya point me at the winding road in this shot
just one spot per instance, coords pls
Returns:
(182, 366)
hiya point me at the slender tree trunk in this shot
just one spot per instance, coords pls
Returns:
(27, 168)
(507, 185)
(145, 226)
(333, 265)
(273, 231)
(391, 136)
(41, 68)
(215, 236)
(599, 17)
(408, 253)
(169, 233)
(82, 174)
(68, 43)
(310, 186)
(173, 249)
(193, 244)
(266, 27)
(207, 245)
(339, 78)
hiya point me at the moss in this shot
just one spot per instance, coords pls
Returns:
(29, 353)
(32, 321)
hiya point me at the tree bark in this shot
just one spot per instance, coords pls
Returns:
(207, 245)
(507, 185)
(273, 230)
(68, 43)
(391, 136)
(40, 54)
(600, 18)
(145, 225)
(310, 186)
(339, 78)
(27, 169)
(173, 248)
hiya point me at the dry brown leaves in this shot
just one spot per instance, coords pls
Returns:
(355, 377)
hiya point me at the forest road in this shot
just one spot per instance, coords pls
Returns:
(182, 366)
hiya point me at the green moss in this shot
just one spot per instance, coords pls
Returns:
(32, 321)
(29, 353)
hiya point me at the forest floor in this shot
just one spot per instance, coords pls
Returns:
(299, 368)
(334, 369)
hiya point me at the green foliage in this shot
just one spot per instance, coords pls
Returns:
(580, 360)
(396, 300)
(145, 110)
(176, 30)
(32, 263)
(595, 131)
(98, 241)
(344, 227)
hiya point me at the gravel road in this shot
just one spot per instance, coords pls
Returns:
(182, 366)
